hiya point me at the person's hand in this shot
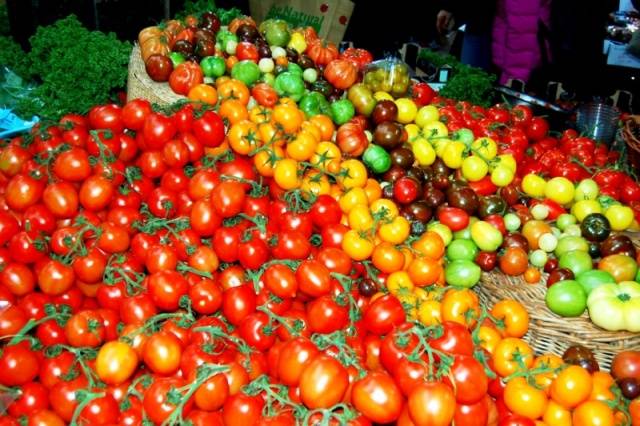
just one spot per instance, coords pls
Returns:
(443, 21)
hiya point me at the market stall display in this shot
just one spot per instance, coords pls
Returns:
(309, 237)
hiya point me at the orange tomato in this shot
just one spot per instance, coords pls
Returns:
(532, 275)
(507, 353)
(572, 386)
(532, 230)
(265, 160)
(271, 135)
(233, 110)
(399, 282)
(315, 183)
(430, 244)
(287, 117)
(260, 114)
(524, 399)
(387, 258)
(512, 316)
(634, 412)
(593, 413)
(302, 147)
(310, 127)
(373, 190)
(424, 271)
(550, 361)
(602, 383)
(327, 156)
(489, 338)
(325, 124)
(231, 61)
(234, 90)
(556, 415)
(243, 137)
(461, 306)
(203, 93)
(430, 312)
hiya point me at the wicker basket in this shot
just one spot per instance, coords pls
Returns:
(139, 85)
(631, 136)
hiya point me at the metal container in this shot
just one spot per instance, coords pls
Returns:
(598, 121)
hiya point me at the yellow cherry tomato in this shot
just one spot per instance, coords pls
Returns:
(352, 174)
(486, 147)
(396, 231)
(560, 190)
(507, 160)
(583, 208)
(534, 185)
(442, 230)
(474, 168)
(423, 151)
(380, 96)
(297, 42)
(620, 217)
(399, 282)
(360, 218)
(386, 207)
(357, 246)
(352, 198)
(435, 129)
(412, 131)
(302, 147)
(327, 156)
(427, 114)
(502, 175)
(452, 154)
(315, 183)
(429, 312)
(286, 174)
(439, 145)
(407, 110)
(524, 399)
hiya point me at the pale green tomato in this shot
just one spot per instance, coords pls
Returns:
(427, 114)
(278, 52)
(266, 65)
(569, 243)
(502, 176)
(540, 211)
(512, 222)
(463, 135)
(547, 242)
(538, 258)
(474, 168)
(584, 208)
(573, 230)
(485, 147)
(508, 161)
(616, 307)
(269, 78)
(576, 261)
(252, 103)
(556, 232)
(231, 47)
(620, 217)
(310, 75)
(452, 154)
(486, 236)
(560, 190)
(587, 189)
(442, 230)
(534, 185)
(423, 151)
(564, 220)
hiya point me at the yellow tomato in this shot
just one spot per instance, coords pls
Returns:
(502, 176)
(297, 42)
(396, 231)
(439, 145)
(380, 96)
(474, 168)
(399, 282)
(327, 156)
(507, 160)
(582, 209)
(560, 190)
(352, 174)
(423, 151)
(524, 399)
(429, 313)
(302, 147)
(407, 110)
(357, 246)
(452, 154)
(534, 185)
(243, 137)
(427, 114)
(315, 183)
(442, 230)
(265, 160)
(435, 129)
(286, 174)
(486, 147)
(386, 207)
(360, 218)
(352, 198)
(373, 190)
(412, 131)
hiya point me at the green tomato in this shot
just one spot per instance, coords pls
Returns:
(176, 58)
(593, 278)
(466, 232)
(463, 135)
(570, 243)
(620, 217)
(362, 99)
(462, 273)
(566, 298)
(289, 85)
(224, 36)
(548, 242)
(564, 220)
(474, 168)
(269, 78)
(276, 32)
(538, 258)
(377, 159)
(314, 103)
(587, 189)
(462, 249)
(342, 111)
(486, 236)
(512, 222)
(442, 230)
(295, 68)
(576, 261)
(310, 75)
(573, 230)
(616, 307)
(246, 71)
(213, 66)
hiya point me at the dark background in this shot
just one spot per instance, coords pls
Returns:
(578, 30)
